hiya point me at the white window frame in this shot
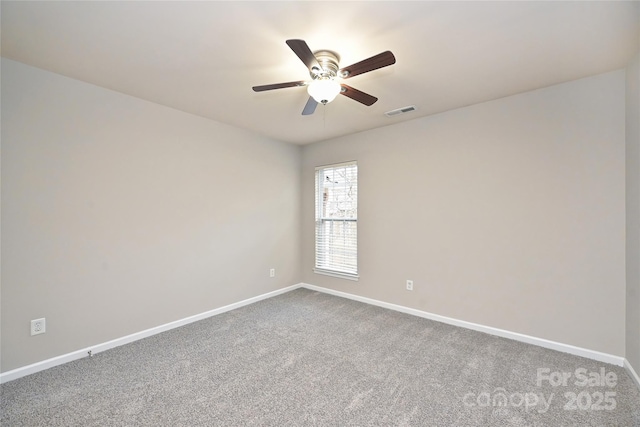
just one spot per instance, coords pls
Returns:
(336, 254)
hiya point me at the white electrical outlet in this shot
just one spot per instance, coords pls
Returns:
(272, 272)
(409, 285)
(38, 326)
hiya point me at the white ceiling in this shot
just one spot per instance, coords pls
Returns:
(204, 57)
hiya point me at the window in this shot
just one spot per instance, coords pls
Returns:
(337, 220)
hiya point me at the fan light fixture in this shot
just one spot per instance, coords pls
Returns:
(324, 89)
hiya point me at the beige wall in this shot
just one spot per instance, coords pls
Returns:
(119, 215)
(124, 215)
(509, 214)
(633, 213)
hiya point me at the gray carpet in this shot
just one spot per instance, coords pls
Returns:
(307, 358)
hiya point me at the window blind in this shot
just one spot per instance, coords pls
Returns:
(337, 220)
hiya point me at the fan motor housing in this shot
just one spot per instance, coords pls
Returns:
(328, 60)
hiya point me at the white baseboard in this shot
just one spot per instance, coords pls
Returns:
(78, 354)
(565, 348)
(632, 373)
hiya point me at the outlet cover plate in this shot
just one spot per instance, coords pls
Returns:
(38, 326)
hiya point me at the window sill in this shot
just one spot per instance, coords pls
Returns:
(337, 274)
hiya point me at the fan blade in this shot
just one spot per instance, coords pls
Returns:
(383, 59)
(278, 86)
(356, 95)
(310, 107)
(301, 49)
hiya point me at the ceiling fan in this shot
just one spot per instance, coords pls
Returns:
(325, 75)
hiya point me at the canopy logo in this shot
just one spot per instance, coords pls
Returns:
(594, 392)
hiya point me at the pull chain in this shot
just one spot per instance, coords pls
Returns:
(324, 117)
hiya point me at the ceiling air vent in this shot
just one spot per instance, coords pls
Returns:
(400, 111)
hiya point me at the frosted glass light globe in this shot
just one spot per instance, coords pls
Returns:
(324, 90)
